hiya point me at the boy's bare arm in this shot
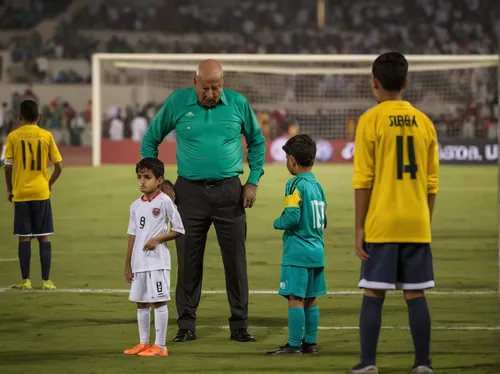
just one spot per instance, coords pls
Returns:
(128, 260)
(8, 180)
(154, 242)
(431, 201)
(55, 174)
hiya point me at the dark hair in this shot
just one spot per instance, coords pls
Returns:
(391, 70)
(28, 110)
(153, 164)
(303, 148)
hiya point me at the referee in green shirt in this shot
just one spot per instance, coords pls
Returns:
(208, 123)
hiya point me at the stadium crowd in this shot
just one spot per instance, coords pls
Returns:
(270, 26)
(352, 27)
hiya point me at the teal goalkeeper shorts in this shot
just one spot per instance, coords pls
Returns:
(302, 282)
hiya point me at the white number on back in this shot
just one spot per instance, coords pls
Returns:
(318, 209)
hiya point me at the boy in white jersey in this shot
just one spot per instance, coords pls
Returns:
(147, 265)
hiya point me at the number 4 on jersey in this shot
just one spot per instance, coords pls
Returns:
(412, 166)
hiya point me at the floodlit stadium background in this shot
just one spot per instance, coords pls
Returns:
(46, 50)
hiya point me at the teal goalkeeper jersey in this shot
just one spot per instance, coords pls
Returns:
(303, 220)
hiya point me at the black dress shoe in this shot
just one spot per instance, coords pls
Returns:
(286, 349)
(310, 348)
(242, 335)
(185, 335)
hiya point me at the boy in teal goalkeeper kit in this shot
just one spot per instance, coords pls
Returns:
(302, 268)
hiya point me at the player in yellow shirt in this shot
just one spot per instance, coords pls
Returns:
(27, 152)
(395, 180)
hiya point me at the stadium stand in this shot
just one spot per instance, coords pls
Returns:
(58, 52)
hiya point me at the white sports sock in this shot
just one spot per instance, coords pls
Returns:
(161, 322)
(144, 321)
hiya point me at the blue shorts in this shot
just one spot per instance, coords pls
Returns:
(305, 283)
(33, 218)
(401, 266)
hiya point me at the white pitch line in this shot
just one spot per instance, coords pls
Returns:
(442, 328)
(8, 259)
(252, 292)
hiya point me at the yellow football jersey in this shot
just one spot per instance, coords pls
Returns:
(28, 149)
(396, 155)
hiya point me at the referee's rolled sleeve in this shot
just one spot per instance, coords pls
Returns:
(256, 144)
(161, 125)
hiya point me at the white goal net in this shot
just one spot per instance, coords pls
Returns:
(319, 93)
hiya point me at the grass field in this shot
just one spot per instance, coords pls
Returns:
(85, 325)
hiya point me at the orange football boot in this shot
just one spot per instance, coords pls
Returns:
(153, 351)
(137, 349)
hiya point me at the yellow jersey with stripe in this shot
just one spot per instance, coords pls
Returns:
(303, 221)
(396, 156)
(28, 149)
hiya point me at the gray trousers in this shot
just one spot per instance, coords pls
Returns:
(199, 206)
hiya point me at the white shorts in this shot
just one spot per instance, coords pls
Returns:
(150, 287)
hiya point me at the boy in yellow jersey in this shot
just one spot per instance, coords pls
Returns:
(395, 180)
(28, 186)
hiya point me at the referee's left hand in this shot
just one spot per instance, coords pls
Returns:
(249, 195)
(10, 196)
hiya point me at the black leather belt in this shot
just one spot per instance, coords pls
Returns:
(212, 183)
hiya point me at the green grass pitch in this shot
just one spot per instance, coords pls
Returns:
(86, 332)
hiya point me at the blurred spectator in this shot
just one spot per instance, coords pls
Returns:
(77, 128)
(42, 68)
(264, 119)
(469, 128)
(293, 128)
(139, 126)
(117, 129)
(29, 94)
(491, 129)
(4, 113)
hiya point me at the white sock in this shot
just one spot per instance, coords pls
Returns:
(144, 321)
(161, 322)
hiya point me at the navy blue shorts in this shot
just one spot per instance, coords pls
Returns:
(33, 218)
(401, 266)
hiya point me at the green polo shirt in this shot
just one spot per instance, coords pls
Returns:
(208, 139)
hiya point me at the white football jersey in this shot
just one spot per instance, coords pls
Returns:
(150, 218)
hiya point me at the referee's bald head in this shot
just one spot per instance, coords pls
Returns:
(208, 82)
(209, 69)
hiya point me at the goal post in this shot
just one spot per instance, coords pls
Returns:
(324, 89)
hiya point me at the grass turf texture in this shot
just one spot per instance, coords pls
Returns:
(87, 332)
